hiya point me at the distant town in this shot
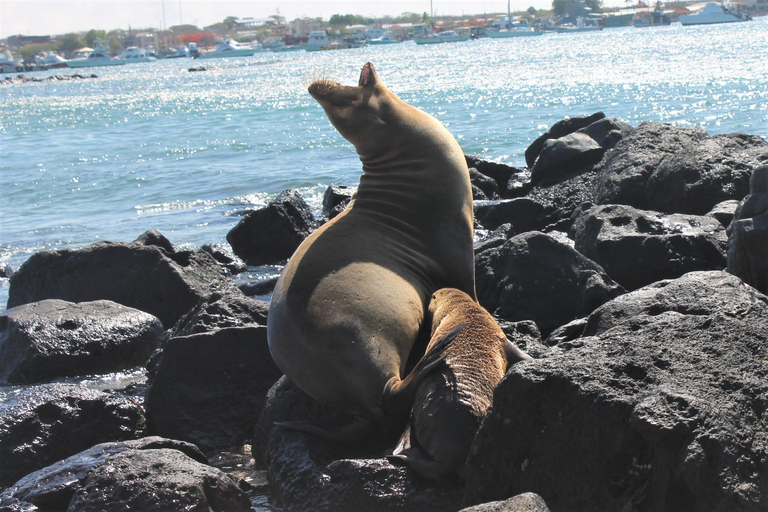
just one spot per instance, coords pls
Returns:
(237, 35)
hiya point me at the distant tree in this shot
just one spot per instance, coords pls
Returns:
(229, 21)
(94, 35)
(343, 20)
(562, 7)
(532, 11)
(29, 51)
(595, 5)
(69, 43)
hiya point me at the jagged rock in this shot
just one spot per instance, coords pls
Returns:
(53, 338)
(724, 211)
(6, 270)
(511, 181)
(209, 388)
(50, 422)
(559, 129)
(748, 234)
(564, 196)
(220, 310)
(133, 274)
(639, 247)
(526, 502)
(487, 185)
(522, 214)
(660, 404)
(263, 287)
(536, 277)
(271, 234)
(525, 335)
(336, 196)
(226, 258)
(678, 170)
(157, 239)
(578, 151)
(145, 474)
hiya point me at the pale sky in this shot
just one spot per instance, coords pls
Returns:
(52, 17)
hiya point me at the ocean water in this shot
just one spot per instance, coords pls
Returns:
(154, 146)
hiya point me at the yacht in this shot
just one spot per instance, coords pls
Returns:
(179, 53)
(8, 64)
(385, 38)
(98, 57)
(228, 48)
(136, 54)
(713, 13)
(509, 28)
(582, 25)
(446, 36)
(50, 60)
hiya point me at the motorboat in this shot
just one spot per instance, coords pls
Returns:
(582, 25)
(50, 60)
(713, 13)
(446, 36)
(8, 64)
(319, 40)
(136, 54)
(385, 38)
(179, 53)
(228, 48)
(511, 28)
(98, 57)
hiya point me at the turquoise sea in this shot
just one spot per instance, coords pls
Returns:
(154, 146)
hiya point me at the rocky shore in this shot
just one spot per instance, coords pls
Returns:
(630, 262)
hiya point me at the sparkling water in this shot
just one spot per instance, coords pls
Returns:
(155, 146)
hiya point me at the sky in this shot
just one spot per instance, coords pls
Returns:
(52, 17)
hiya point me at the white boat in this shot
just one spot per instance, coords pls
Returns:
(446, 36)
(180, 53)
(228, 48)
(98, 57)
(319, 40)
(512, 29)
(8, 64)
(50, 60)
(136, 54)
(582, 25)
(386, 38)
(713, 13)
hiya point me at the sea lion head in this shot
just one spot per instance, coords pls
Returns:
(365, 115)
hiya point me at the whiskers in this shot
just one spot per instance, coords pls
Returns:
(323, 75)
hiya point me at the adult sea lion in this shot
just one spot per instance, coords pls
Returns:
(351, 301)
(451, 402)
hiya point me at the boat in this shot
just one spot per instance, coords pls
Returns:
(319, 40)
(136, 54)
(227, 48)
(385, 38)
(509, 28)
(582, 25)
(655, 19)
(98, 57)
(8, 64)
(446, 36)
(179, 53)
(50, 60)
(713, 13)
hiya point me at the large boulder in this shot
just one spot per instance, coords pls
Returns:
(673, 169)
(657, 404)
(220, 310)
(145, 277)
(748, 234)
(54, 338)
(522, 214)
(209, 388)
(510, 181)
(46, 423)
(535, 276)
(639, 247)
(526, 502)
(559, 129)
(271, 234)
(145, 474)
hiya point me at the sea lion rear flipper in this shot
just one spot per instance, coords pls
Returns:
(399, 394)
(419, 462)
(358, 430)
(514, 354)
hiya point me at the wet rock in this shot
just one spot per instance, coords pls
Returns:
(145, 277)
(5, 270)
(678, 170)
(209, 388)
(658, 405)
(510, 181)
(221, 310)
(536, 277)
(264, 287)
(157, 239)
(271, 234)
(53, 338)
(336, 197)
(146, 474)
(526, 502)
(487, 185)
(748, 234)
(577, 151)
(226, 258)
(50, 422)
(639, 247)
(564, 196)
(522, 214)
(559, 129)
(724, 211)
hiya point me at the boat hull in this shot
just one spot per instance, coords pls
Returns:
(437, 40)
(698, 19)
(502, 34)
(234, 53)
(90, 63)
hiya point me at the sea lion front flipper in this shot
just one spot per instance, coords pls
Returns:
(514, 354)
(399, 394)
(358, 430)
(420, 463)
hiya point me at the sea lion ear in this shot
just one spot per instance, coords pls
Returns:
(368, 76)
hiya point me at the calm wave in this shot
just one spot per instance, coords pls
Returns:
(153, 146)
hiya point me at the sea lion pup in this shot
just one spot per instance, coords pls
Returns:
(352, 300)
(452, 401)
